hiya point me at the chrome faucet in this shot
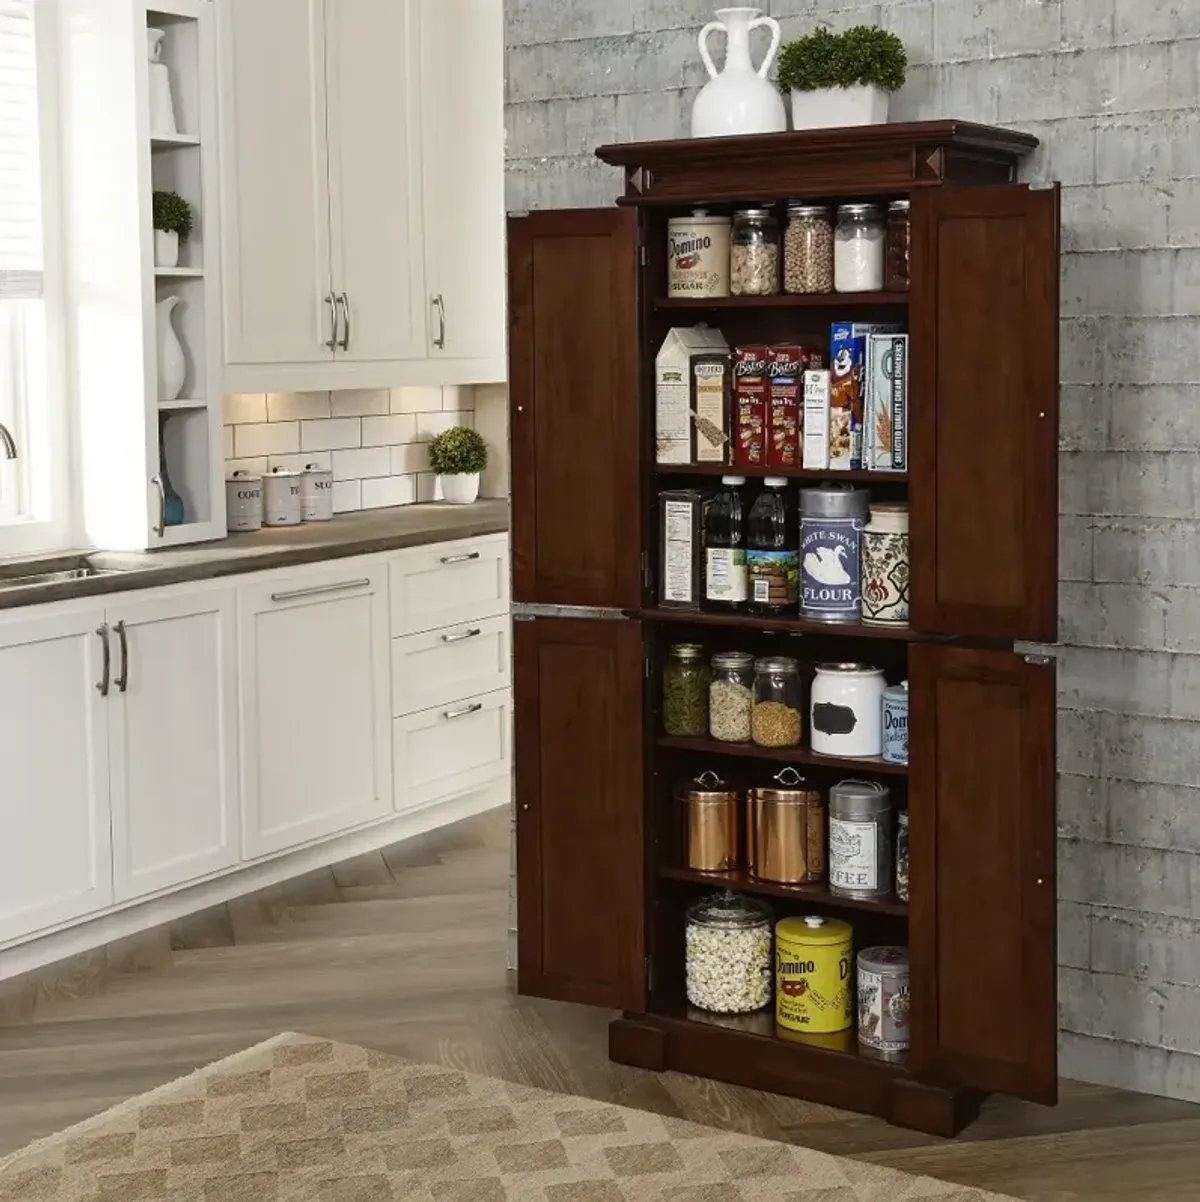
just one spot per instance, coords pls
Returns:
(6, 442)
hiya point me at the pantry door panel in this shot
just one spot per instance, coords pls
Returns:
(982, 870)
(573, 387)
(577, 696)
(983, 440)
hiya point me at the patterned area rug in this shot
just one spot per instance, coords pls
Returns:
(298, 1119)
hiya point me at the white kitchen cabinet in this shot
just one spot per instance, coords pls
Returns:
(314, 703)
(55, 854)
(448, 583)
(173, 738)
(436, 667)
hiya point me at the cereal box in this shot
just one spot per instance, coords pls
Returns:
(885, 423)
(751, 390)
(786, 365)
(848, 354)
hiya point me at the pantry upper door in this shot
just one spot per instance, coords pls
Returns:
(982, 918)
(574, 407)
(983, 465)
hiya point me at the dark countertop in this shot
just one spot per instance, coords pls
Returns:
(365, 533)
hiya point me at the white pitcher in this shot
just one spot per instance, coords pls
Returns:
(172, 364)
(739, 99)
(162, 106)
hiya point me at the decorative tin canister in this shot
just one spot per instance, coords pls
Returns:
(812, 975)
(846, 710)
(281, 498)
(710, 809)
(883, 1000)
(860, 839)
(885, 566)
(785, 832)
(698, 255)
(832, 520)
(895, 724)
(316, 493)
(243, 502)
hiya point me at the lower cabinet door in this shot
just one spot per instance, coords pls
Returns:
(55, 856)
(982, 922)
(581, 907)
(173, 740)
(451, 749)
(314, 706)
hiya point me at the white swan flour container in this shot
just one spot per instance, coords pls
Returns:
(243, 502)
(698, 255)
(832, 520)
(846, 710)
(281, 498)
(316, 493)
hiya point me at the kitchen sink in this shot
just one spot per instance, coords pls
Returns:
(50, 572)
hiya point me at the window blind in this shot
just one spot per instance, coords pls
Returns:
(20, 168)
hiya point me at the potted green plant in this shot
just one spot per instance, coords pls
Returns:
(458, 456)
(172, 225)
(842, 78)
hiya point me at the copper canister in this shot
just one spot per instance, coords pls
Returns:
(710, 823)
(785, 832)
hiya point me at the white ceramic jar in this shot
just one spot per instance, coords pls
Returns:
(846, 711)
(243, 502)
(316, 493)
(281, 498)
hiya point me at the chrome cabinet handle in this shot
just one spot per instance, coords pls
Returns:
(123, 679)
(102, 683)
(333, 323)
(344, 301)
(458, 638)
(460, 558)
(318, 589)
(440, 305)
(450, 715)
(161, 528)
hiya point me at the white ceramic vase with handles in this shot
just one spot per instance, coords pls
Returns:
(738, 99)
(162, 106)
(172, 364)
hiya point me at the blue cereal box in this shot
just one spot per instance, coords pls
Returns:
(847, 384)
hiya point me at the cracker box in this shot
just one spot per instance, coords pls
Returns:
(848, 355)
(885, 422)
(751, 391)
(676, 431)
(816, 420)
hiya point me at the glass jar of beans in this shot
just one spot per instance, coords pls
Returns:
(808, 249)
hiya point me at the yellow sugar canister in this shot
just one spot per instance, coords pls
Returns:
(813, 958)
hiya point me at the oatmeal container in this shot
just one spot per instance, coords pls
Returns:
(883, 1001)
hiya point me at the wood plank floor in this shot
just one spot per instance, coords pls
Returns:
(404, 952)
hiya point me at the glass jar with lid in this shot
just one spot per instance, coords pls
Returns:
(858, 244)
(728, 953)
(754, 254)
(731, 696)
(685, 692)
(896, 277)
(808, 249)
(778, 700)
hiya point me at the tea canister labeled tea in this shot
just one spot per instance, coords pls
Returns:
(812, 974)
(698, 255)
(860, 839)
(832, 520)
(895, 723)
(885, 568)
(728, 954)
(883, 1000)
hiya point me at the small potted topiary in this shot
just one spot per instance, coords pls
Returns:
(842, 78)
(458, 456)
(172, 225)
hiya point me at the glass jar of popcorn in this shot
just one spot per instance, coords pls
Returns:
(729, 960)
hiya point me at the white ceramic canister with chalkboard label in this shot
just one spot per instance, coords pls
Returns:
(832, 519)
(846, 710)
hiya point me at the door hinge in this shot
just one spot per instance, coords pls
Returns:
(1042, 186)
(524, 617)
(649, 974)
(646, 666)
(518, 213)
(647, 580)
(1038, 660)
(643, 258)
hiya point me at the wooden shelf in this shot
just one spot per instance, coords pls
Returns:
(786, 755)
(819, 300)
(846, 630)
(789, 473)
(741, 880)
(178, 273)
(173, 141)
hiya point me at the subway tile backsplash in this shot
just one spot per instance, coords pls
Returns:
(374, 439)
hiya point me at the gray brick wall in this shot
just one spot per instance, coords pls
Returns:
(1111, 87)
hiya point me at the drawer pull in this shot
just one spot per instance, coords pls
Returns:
(450, 715)
(318, 589)
(460, 558)
(466, 634)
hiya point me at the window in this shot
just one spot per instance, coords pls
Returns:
(32, 349)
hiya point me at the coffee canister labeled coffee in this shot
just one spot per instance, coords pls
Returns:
(885, 566)
(860, 839)
(895, 724)
(243, 502)
(281, 498)
(812, 974)
(832, 520)
(883, 1000)
(316, 493)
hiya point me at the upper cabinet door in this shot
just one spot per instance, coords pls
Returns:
(274, 182)
(573, 384)
(463, 172)
(982, 864)
(984, 420)
(577, 692)
(375, 176)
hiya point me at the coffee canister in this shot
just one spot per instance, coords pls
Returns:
(883, 1000)
(243, 502)
(281, 498)
(846, 710)
(785, 831)
(895, 723)
(698, 255)
(860, 839)
(710, 823)
(316, 493)
(885, 566)
(812, 974)
(832, 519)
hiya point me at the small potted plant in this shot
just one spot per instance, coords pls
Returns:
(172, 225)
(842, 78)
(458, 456)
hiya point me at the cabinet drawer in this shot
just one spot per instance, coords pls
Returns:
(440, 666)
(449, 583)
(450, 749)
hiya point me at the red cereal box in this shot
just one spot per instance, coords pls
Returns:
(786, 365)
(751, 389)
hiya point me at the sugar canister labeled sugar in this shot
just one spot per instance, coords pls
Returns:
(895, 724)
(698, 255)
